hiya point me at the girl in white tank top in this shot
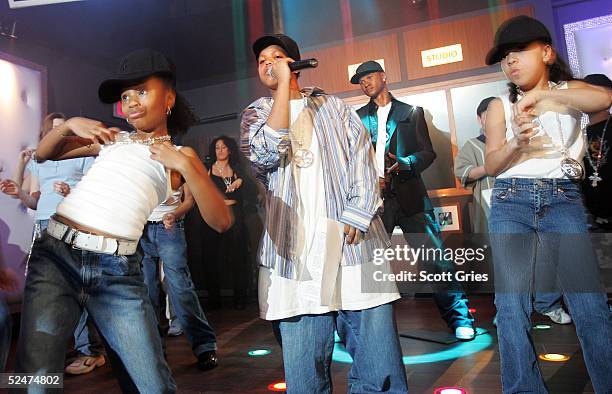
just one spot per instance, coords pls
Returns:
(535, 148)
(87, 258)
(134, 173)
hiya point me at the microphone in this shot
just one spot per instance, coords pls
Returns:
(302, 64)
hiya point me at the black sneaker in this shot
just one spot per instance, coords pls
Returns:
(207, 360)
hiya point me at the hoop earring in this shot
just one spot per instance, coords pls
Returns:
(169, 111)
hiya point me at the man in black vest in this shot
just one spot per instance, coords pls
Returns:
(403, 150)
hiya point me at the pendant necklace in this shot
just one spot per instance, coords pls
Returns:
(303, 156)
(571, 168)
(595, 178)
(226, 180)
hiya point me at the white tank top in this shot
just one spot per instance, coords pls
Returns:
(170, 204)
(543, 157)
(119, 192)
(167, 206)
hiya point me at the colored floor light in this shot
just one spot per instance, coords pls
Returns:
(472, 310)
(555, 357)
(541, 327)
(259, 352)
(449, 390)
(280, 386)
(452, 352)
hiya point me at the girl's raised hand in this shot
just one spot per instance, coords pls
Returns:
(169, 156)
(90, 129)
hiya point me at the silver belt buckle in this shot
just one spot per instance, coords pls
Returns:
(96, 243)
(70, 236)
(122, 248)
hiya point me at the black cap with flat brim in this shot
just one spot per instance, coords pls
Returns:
(133, 69)
(364, 69)
(285, 42)
(517, 32)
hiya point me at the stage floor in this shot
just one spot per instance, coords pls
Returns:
(473, 366)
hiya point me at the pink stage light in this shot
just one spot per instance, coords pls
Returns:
(449, 390)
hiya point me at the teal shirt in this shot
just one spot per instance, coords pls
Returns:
(69, 171)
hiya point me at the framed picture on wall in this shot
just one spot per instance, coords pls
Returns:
(589, 46)
(448, 217)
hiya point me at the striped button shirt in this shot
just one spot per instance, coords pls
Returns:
(351, 188)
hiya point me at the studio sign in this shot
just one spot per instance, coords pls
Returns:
(443, 55)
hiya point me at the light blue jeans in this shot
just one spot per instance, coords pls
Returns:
(370, 337)
(541, 245)
(170, 246)
(547, 302)
(86, 338)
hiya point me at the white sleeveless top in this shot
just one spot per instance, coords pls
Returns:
(170, 204)
(167, 206)
(119, 192)
(542, 158)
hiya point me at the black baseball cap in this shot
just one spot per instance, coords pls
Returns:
(598, 80)
(287, 43)
(517, 32)
(364, 69)
(134, 68)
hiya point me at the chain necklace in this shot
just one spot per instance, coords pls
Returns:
(226, 180)
(571, 168)
(303, 156)
(595, 178)
(125, 138)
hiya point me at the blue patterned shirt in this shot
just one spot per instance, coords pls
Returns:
(351, 185)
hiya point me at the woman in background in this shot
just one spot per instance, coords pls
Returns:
(227, 173)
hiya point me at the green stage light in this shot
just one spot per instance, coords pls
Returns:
(259, 352)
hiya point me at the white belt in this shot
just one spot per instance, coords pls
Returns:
(91, 242)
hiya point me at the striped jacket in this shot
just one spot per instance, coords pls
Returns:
(350, 180)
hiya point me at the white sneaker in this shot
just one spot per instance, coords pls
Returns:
(175, 328)
(465, 333)
(559, 316)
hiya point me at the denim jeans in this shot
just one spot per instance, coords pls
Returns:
(546, 302)
(370, 336)
(86, 339)
(5, 332)
(540, 244)
(451, 301)
(40, 226)
(60, 283)
(170, 246)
